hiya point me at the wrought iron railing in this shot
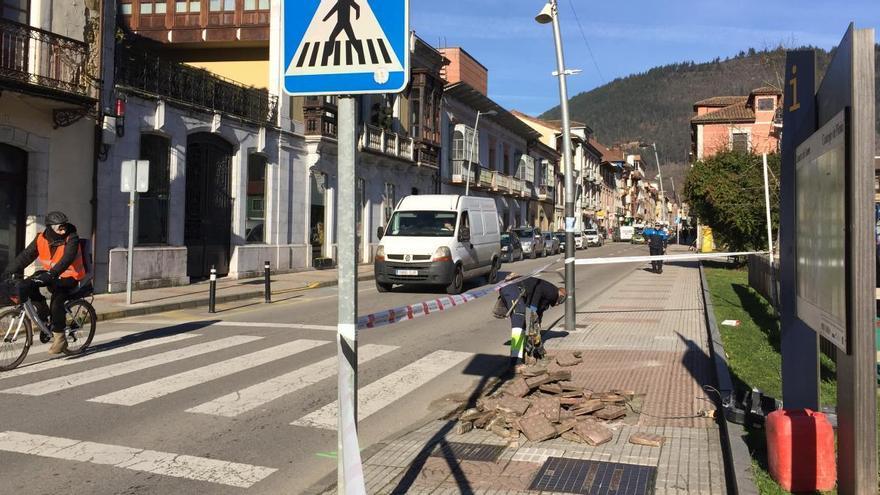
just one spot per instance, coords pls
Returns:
(386, 142)
(428, 156)
(500, 182)
(35, 57)
(486, 178)
(545, 192)
(517, 186)
(179, 83)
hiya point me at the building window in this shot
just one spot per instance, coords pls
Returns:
(255, 223)
(256, 4)
(740, 142)
(416, 109)
(188, 6)
(390, 201)
(153, 205)
(14, 10)
(766, 104)
(222, 5)
(124, 9)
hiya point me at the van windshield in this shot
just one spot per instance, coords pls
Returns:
(422, 224)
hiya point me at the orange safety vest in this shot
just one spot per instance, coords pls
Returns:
(76, 270)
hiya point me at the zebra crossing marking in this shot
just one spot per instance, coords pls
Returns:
(158, 388)
(247, 399)
(113, 370)
(93, 354)
(99, 338)
(379, 394)
(149, 461)
(295, 326)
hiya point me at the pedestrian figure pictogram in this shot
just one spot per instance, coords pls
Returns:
(348, 39)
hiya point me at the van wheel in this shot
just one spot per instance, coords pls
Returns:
(457, 283)
(493, 273)
(380, 287)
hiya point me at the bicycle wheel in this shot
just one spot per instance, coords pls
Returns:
(79, 327)
(14, 347)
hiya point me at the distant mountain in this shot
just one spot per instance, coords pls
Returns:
(657, 105)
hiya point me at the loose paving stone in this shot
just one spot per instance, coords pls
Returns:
(463, 427)
(551, 388)
(593, 433)
(517, 387)
(530, 371)
(537, 381)
(470, 414)
(570, 386)
(513, 405)
(611, 412)
(547, 406)
(537, 428)
(649, 439)
(568, 359)
(588, 406)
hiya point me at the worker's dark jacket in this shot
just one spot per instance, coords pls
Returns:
(539, 294)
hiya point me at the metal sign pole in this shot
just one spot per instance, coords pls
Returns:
(350, 477)
(132, 197)
(767, 205)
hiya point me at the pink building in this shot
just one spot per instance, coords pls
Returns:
(745, 123)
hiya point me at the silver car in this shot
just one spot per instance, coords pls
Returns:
(551, 244)
(532, 241)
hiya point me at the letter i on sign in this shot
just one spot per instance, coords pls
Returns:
(794, 93)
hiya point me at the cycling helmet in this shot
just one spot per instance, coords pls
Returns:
(55, 218)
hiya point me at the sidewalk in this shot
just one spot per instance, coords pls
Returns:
(148, 301)
(646, 334)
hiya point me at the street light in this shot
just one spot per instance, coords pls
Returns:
(550, 14)
(659, 174)
(467, 184)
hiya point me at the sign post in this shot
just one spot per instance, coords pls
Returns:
(345, 48)
(135, 178)
(827, 271)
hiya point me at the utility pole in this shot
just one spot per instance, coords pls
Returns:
(550, 14)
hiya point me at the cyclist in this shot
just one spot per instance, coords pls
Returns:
(60, 268)
(534, 293)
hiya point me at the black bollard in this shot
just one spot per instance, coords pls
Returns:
(212, 291)
(268, 283)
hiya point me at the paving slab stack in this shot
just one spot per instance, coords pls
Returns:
(617, 406)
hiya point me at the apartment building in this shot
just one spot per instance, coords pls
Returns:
(50, 68)
(743, 123)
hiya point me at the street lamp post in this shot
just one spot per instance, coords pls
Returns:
(550, 14)
(660, 175)
(467, 184)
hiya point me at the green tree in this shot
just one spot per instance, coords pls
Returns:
(726, 192)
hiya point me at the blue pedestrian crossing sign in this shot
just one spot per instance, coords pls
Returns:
(334, 47)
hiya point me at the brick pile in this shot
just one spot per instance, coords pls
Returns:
(542, 403)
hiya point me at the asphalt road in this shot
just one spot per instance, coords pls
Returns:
(243, 400)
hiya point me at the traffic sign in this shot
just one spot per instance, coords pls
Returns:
(135, 173)
(345, 46)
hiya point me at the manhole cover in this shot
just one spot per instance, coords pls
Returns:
(468, 451)
(594, 477)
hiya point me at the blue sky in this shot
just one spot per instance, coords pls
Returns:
(626, 36)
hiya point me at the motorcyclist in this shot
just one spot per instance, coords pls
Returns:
(60, 268)
(533, 293)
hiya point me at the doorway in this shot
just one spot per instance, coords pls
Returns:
(208, 224)
(13, 197)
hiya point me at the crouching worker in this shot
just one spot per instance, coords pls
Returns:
(528, 298)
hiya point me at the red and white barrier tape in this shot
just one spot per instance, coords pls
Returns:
(664, 257)
(425, 308)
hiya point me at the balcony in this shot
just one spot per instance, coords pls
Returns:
(46, 64)
(500, 182)
(141, 72)
(427, 155)
(517, 186)
(545, 192)
(319, 114)
(461, 175)
(385, 142)
(485, 179)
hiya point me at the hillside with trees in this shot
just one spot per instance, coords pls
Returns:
(657, 105)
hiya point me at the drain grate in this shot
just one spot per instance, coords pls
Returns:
(468, 451)
(594, 477)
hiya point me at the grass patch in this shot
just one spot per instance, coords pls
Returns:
(753, 351)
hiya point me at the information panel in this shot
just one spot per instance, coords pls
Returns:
(821, 231)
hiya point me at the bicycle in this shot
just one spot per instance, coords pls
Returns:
(16, 327)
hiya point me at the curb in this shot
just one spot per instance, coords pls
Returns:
(737, 460)
(195, 303)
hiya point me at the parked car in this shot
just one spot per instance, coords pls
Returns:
(560, 236)
(551, 244)
(593, 237)
(511, 248)
(638, 237)
(579, 241)
(532, 241)
(438, 240)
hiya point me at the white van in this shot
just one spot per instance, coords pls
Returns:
(439, 240)
(626, 233)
